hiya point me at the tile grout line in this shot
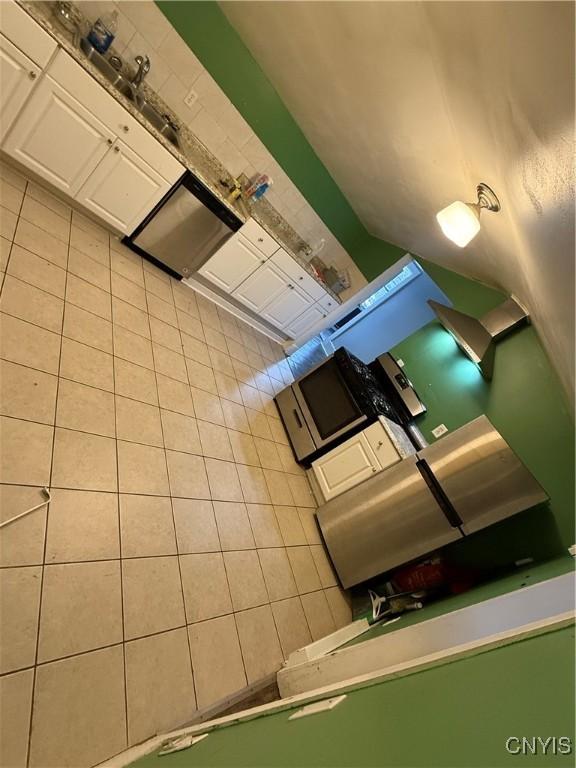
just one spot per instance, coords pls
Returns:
(41, 591)
(174, 528)
(221, 551)
(119, 517)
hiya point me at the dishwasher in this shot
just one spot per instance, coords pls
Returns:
(186, 227)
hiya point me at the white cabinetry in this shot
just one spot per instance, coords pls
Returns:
(25, 33)
(305, 321)
(355, 460)
(236, 260)
(122, 189)
(24, 50)
(18, 75)
(262, 287)
(266, 279)
(285, 308)
(58, 138)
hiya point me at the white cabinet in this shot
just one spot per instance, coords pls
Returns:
(257, 235)
(122, 189)
(262, 287)
(328, 304)
(236, 260)
(355, 460)
(23, 32)
(18, 75)
(305, 321)
(58, 138)
(298, 274)
(286, 307)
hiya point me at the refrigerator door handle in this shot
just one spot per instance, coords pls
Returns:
(440, 496)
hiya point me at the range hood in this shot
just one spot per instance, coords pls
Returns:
(476, 337)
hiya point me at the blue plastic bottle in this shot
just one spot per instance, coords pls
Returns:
(103, 31)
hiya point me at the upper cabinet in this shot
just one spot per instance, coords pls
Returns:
(68, 133)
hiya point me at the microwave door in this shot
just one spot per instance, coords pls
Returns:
(481, 476)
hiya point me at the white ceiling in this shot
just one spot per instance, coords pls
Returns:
(410, 104)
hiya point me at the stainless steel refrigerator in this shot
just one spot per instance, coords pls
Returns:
(466, 481)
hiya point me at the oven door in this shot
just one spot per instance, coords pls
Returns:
(327, 404)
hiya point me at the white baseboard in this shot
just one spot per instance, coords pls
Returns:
(328, 643)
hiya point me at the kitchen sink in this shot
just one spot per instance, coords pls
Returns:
(129, 91)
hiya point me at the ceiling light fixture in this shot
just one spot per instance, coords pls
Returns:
(460, 222)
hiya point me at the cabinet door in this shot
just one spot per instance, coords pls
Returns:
(304, 322)
(384, 450)
(18, 75)
(345, 466)
(123, 189)
(233, 263)
(57, 138)
(258, 236)
(298, 274)
(286, 307)
(262, 288)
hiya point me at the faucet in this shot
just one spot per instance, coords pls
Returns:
(143, 69)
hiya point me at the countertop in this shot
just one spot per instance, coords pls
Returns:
(398, 437)
(191, 153)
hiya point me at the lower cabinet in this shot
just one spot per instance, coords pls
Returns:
(263, 287)
(18, 75)
(58, 138)
(286, 307)
(355, 460)
(235, 261)
(122, 189)
(305, 321)
(57, 135)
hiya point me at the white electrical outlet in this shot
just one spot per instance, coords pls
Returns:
(572, 550)
(190, 98)
(400, 363)
(440, 430)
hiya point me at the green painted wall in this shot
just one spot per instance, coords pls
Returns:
(524, 401)
(459, 714)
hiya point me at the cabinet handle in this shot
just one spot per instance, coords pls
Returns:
(290, 286)
(125, 128)
(260, 239)
(32, 75)
(109, 142)
(374, 469)
(380, 443)
(116, 149)
(300, 278)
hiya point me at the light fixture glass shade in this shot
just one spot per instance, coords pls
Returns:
(460, 222)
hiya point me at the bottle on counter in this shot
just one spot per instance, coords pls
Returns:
(103, 31)
(258, 186)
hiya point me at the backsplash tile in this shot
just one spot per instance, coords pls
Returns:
(143, 30)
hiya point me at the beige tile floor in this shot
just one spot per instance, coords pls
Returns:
(178, 560)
